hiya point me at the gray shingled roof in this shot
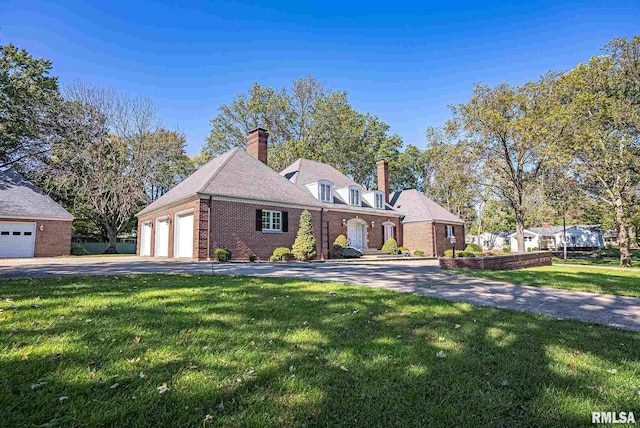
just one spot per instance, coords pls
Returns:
(236, 174)
(417, 207)
(305, 171)
(20, 198)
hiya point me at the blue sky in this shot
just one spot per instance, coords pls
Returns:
(404, 62)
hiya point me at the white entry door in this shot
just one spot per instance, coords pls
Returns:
(162, 238)
(17, 239)
(184, 236)
(388, 232)
(145, 239)
(355, 235)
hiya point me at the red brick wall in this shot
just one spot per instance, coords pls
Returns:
(419, 236)
(55, 238)
(510, 262)
(375, 235)
(234, 227)
(195, 206)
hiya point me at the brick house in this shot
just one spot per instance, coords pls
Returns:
(237, 202)
(426, 225)
(31, 223)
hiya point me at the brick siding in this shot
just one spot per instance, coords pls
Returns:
(419, 236)
(375, 234)
(53, 240)
(510, 262)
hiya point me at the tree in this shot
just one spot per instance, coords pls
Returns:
(513, 130)
(602, 99)
(28, 101)
(304, 247)
(109, 153)
(304, 121)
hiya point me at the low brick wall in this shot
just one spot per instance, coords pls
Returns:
(508, 262)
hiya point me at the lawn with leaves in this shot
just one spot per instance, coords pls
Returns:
(186, 351)
(620, 281)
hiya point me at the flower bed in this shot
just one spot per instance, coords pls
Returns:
(506, 262)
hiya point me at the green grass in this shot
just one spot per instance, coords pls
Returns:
(268, 352)
(605, 257)
(623, 282)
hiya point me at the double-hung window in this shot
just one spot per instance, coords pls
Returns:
(379, 201)
(271, 221)
(325, 192)
(449, 231)
(354, 197)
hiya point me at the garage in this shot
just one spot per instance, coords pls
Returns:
(17, 239)
(184, 235)
(145, 239)
(162, 237)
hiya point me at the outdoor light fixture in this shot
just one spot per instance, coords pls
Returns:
(452, 239)
(373, 223)
(344, 222)
(41, 227)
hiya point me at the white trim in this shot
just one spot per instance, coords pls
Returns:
(176, 231)
(259, 202)
(142, 236)
(271, 230)
(34, 218)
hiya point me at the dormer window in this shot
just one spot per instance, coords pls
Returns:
(354, 196)
(325, 191)
(379, 200)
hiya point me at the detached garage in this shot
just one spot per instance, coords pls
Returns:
(31, 223)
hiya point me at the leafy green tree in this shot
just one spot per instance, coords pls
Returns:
(304, 247)
(602, 100)
(513, 131)
(28, 105)
(305, 121)
(497, 216)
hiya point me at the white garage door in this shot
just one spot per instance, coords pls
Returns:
(184, 235)
(145, 239)
(162, 238)
(17, 239)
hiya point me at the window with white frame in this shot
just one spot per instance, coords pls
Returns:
(325, 192)
(449, 231)
(271, 221)
(354, 197)
(379, 200)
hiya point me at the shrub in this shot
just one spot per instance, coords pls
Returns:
(418, 253)
(506, 249)
(401, 249)
(535, 249)
(448, 253)
(252, 257)
(473, 248)
(78, 250)
(222, 254)
(341, 241)
(304, 248)
(390, 247)
(349, 253)
(281, 254)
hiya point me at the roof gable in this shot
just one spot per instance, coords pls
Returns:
(418, 207)
(20, 198)
(305, 171)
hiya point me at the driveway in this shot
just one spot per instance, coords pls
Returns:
(422, 277)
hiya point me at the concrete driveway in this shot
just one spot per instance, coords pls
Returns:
(423, 277)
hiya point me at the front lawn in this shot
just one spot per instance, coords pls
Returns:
(189, 351)
(606, 257)
(623, 282)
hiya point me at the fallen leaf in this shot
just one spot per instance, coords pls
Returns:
(142, 375)
(343, 368)
(440, 339)
(51, 423)
(63, 398)
(114, 386)
(457, 326)
(504, 383)
(441, 354)
(208, 418)
(612, 371)
(136, 340)
(572, 366)
(37, 385)
(221, 406)
(163, 388)
(192, 366)
(333, 293)
(577, 352)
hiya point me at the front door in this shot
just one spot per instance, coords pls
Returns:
(355, 235)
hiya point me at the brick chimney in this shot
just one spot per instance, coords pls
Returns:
(257, 144)
(383, 178)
